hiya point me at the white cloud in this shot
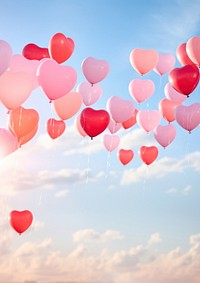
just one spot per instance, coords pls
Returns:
(62, 193)
(92, 235)
(154, 239)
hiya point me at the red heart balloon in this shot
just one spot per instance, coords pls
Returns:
(20, 221)
(182, 55)
(61, 47)
(131, 121)
(33, 52)
(167, 109)
(184, 79)
(148, 154)
(125, 155)
(55, 128)
(94, 122)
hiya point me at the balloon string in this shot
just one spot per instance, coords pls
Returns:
(88, 167)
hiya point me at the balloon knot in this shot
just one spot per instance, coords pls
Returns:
(50, 101)
(91, 138)
(8, 112)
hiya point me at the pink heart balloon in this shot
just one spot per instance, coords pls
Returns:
(193, 49)
(143, 61)
(111, 142)
(5, 56)
(20, 63)
(141, 90)
(79, 127)
(120, 110)
(55, 80)
(188, 117)
(15, 88)
(114, 127)
(165, 63)
(90, 93)
(172, 94)
(95, 70)
(8, 143)
(148, 120)
(165, 135)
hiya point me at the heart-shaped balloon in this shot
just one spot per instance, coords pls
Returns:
(68, 105)
(55, 128)
(148, 154)
(20, 221)
(143, 61)
(148, 120)
(165, 63)
(193, 49)
(56, 80)
(184, 79)
(167, 109)
(34, 52)
(172, 94)
(79, 127)
(5, 56)
(95, 70)
(22, 121)
(90, 93)
(94, 122)
(125, 155)
(61, 47)
(131, 121)
(141, 90)
(182, 55)
(188, 117)
(8, 143)
(28, 137)
(120, 109)
(15, 88)
(114, 127)
(165, 135)
(111, 142)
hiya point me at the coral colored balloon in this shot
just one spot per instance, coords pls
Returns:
(55, 128)
(5, 56)
(23, 121)
(8, 143)
(131, 121)
(68, 105)
(165, 63)
(56, 80)
(111, 142)
(167, 109)
(193, 49)
(120, 109)
(125, 155)
(188, 117)
(141, 90)
(148, 120)
(61, 47)
(165, 135)
(114, 127)
(143, 61)
(95, 70)
(90, 93)
(79, 127)
(20, 221)
(94, 122)
(28, 137)
(34, 52)
(172, 94)
(182, 55)
(185, 79)
(148, 154)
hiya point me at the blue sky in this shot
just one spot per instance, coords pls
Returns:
(95, 219)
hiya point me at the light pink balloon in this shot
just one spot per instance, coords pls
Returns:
(79, 127)
(20, 63)
(172, 94)
(148, 120)
(68, 105)
(143, 61)
(15, 88)
(193, 49)
(165, 135)
(90, 93)
(114, 127)
(120, 109)
(95, 70)
(5, 56)
(55, 80)
(111, 142)
(141, 90)
(8, 143)
(165, 63)
(188, 117)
